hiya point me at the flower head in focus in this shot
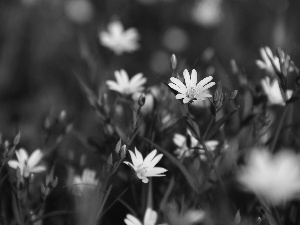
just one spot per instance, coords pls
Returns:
(126, 86)
(182, 149)
(150, 218)
(276, 178)
(146, 167)
(273, 91)
(191, 90)
(119, 40)
(87, 181)
(27, 164)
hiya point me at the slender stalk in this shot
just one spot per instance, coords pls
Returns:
(277, 132)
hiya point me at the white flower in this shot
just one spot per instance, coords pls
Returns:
(183, 150)
(191, 90)
(275, 178)
(265, 63)
(145, 168)
(126, 86)
(150, 218)
(87, 181)
(119, 40)
(273, 92)
(26, 164)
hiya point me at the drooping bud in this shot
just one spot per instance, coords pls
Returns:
(173, 62)
(142, 99)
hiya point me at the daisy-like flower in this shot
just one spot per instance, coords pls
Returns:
(191, 90)
(275, 178)
(273, 92)
(182, 149)
(27, 164)
(87, 181)
(126, 86)
(150, 218)
(119, 40)
(146, 168)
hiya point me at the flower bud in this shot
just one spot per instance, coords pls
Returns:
(173, 62)
(123, 152)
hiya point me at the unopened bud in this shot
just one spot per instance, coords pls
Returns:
(173, 62)
(17, 138)
(62, 115)
(54, 182)
(233, 95)
(118, 147)
(123, 152)
(43, 189)
(109, 160)
(142, 99)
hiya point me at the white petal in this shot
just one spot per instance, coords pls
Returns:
(133, 159)
(37, 169)
(154, 161)
(35, 158)
(176, 88)
(13, 164)
(22, 155)
(178, 83)
(204, 81)
(124, 77)
(133, 220)
(209, 85)
(150, 217)
(149, 157)
(186, 100)
(187, 79)
(194, 78)
(180, 96)
(179, 140)
(139, 157)
(156, 171)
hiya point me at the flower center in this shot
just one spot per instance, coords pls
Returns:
(191, 92)
(141, 171)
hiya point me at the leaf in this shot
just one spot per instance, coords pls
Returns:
(176, 162)
(219, 123)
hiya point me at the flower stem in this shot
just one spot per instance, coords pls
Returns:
(277, 132)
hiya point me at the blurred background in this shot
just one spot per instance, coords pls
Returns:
(45, 43)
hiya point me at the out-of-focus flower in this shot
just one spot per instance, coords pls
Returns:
(207, 13)
(273, 92)
(191, 90)
(126, 86)
(150, 218)
(146, 168)
(266, 63)
(79, 11)
(26, 164)
(119, 40)
(182, 149)
(275, 178)
(189, 217)
(87, 181)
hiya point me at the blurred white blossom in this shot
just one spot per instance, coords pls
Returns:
(87, 181)
(182, 149)
(150, 218)
(273, 92)
(275, 178)
(79, 11)
(267, 58)
(191, 90)
(126, 86)
(146, 168)
(207, 13)
(27, 164)
(119, 40)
